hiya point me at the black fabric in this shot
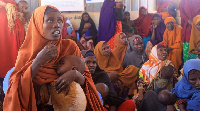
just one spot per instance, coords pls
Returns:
(150, 102)
(119, 14)
(112, 99)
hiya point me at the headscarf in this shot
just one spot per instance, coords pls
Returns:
(151, 68)
(194, 38)
(64, 30)
(21, 94)
(68, 21)
(159, 31)
(133, 57)
(107, 21)
(184, 90)
(142, 23)
(188, 10)
(119, 49)
(162, 5)
(107, 63)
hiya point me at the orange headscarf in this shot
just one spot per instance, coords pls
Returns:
(195, 36)
(21, 94)
(173, 39)
(111, 63)
(119, 49)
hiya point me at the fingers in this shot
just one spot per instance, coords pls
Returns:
(67, 91)
(60, 85)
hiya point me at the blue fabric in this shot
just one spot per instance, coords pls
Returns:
(107, 21)
(69, 30)
(145, 40)
(184, 90)
(100, 97)
(6, 80)
(89, 32)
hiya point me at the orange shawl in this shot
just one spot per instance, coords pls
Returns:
(111, 63)
(20, 94)
(173, 39)
(119, 49)
(195, 36)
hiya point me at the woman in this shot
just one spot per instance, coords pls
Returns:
(87, 19)
(166, 8)
(188, 10)
(194, 38)
(157, 31)
(150, 71)
(142, 24)
(37, 60)
(135, 54)
(99, 76)
(187, 90)
(173, 42)
(108, 62)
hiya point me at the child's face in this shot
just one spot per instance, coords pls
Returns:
(91, 63)
(138, 46)
(194, 79)
(23, 7)
(86, 27)
(106, 49)
(64, 66)
(123, 39)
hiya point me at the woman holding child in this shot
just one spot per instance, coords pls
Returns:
(37, 60)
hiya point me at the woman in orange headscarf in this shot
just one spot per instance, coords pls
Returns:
(37, 60)
(172, 39)
(108, 62)
(194, 38)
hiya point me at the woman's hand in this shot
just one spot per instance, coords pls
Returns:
(47, 53)
(67, 78)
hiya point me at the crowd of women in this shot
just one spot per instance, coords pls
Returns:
(146, 64)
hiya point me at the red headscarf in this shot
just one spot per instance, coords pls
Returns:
(10, 41)
(188, 10)
(142, 23)
(162, 5)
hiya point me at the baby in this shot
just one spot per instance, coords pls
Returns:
(86, 39)
(75, 100)
(165, 80)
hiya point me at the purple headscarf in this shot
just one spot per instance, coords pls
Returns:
(107, 21)
(159, 31)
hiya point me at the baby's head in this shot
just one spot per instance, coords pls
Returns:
(87, 26)
(166, 97)
(71, 62)
(166, 72)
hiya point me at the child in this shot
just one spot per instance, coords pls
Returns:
(165, 80)
(75, 100)
(69, 27)
(86, 39)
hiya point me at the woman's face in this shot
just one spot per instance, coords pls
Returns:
(198, 25)
(85, 17)
(52, 26)
(162, 53)
(91, 63)
(170, 26)
(194, 79)
(138, 46)
(144, 11)
(126, 16)
(123, 39)
(156, 20)
(106, 49)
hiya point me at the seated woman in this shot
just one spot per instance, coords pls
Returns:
(173, 41)
(166, 8)
(150, 71)
(187, 90)
(135, 54)
(99, 76)
(37, 61)
(108, 62)
(69, 27)
(157, 30)
(87, 19)
(142, 24)
(194, 41)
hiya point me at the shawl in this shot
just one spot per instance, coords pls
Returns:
(10, 41)
(119, 49)
(21, 94)
(188, 10)
(159, 31)
(184, 90)
(132, 57)
(107, 21)
(194, 38)
(162, 5)
(143, 23)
